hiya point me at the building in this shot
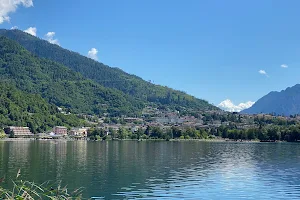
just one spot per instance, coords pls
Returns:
(19, 132)
(79, 132)
(132, 119)
(171, 119)
(60, 130)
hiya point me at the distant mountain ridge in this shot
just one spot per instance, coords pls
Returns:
(285, 102)
(134, 91)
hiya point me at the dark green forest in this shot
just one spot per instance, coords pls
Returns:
(59, 85)
(18, 108)
(129, 85)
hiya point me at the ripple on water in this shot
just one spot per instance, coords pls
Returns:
(164, 170)
(232, 171)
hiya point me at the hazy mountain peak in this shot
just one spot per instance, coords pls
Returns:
(285, 102)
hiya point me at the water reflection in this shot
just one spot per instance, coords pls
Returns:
(151, 170)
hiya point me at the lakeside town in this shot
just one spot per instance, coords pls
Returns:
(158, 123)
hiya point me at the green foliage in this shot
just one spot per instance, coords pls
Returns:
(27, 190)
(112, 132)
(139, 133)
(96, 133)
(18, 108)
(154, 132)
(2, 134)
(59, 85)
(123, 133)
(289, 133)
(132, 87)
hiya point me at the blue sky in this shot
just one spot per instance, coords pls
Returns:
(211, 49)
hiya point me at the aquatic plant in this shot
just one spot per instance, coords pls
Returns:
(27, 190)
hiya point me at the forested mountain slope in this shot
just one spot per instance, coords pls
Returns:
(107, 76)
(18, 108)
(58, 84)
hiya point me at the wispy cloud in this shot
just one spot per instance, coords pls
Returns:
(284, 66)
(93, 54)
(31, 31)
(14, 27)
(50, 38)
(229, 106)
(10, 6)
(263, 72)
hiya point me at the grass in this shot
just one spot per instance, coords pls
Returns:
(26, 190)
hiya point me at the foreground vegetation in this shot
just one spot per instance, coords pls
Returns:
(27, 190)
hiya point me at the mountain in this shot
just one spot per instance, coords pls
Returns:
(286, 102)
(108, 77)
(18, 108)
(58, 84)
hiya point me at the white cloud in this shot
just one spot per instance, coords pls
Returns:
(10, 6)
(284, 66)
(262, 72)
(50, 34)
(93, 53)
(14, 27)
(31, 31)
(228, 105)
(50, 38)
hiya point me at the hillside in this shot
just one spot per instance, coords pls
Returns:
(286, 102)
(18, 108)
(58, 84)
(107, 76)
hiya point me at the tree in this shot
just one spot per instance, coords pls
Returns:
(122, 133)
(225, 133)
(157, 133)
(250, 134)
(139, 133)
(169, 134)
(176, 132)
(112, 133)
(148, 131)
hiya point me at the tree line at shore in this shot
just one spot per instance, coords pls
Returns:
(267, 133)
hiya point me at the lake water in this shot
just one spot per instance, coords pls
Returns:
(164, 170)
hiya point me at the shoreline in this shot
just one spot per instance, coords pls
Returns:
(142, 140)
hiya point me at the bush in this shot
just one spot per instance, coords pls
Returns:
(97, 137)
(2, 135)
(145, 137)
(134, 136)
(92, 137)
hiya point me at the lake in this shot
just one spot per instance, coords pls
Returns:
(158, 169)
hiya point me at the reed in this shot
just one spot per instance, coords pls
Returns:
(27, 190)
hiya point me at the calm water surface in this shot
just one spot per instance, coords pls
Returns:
(165, 170)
